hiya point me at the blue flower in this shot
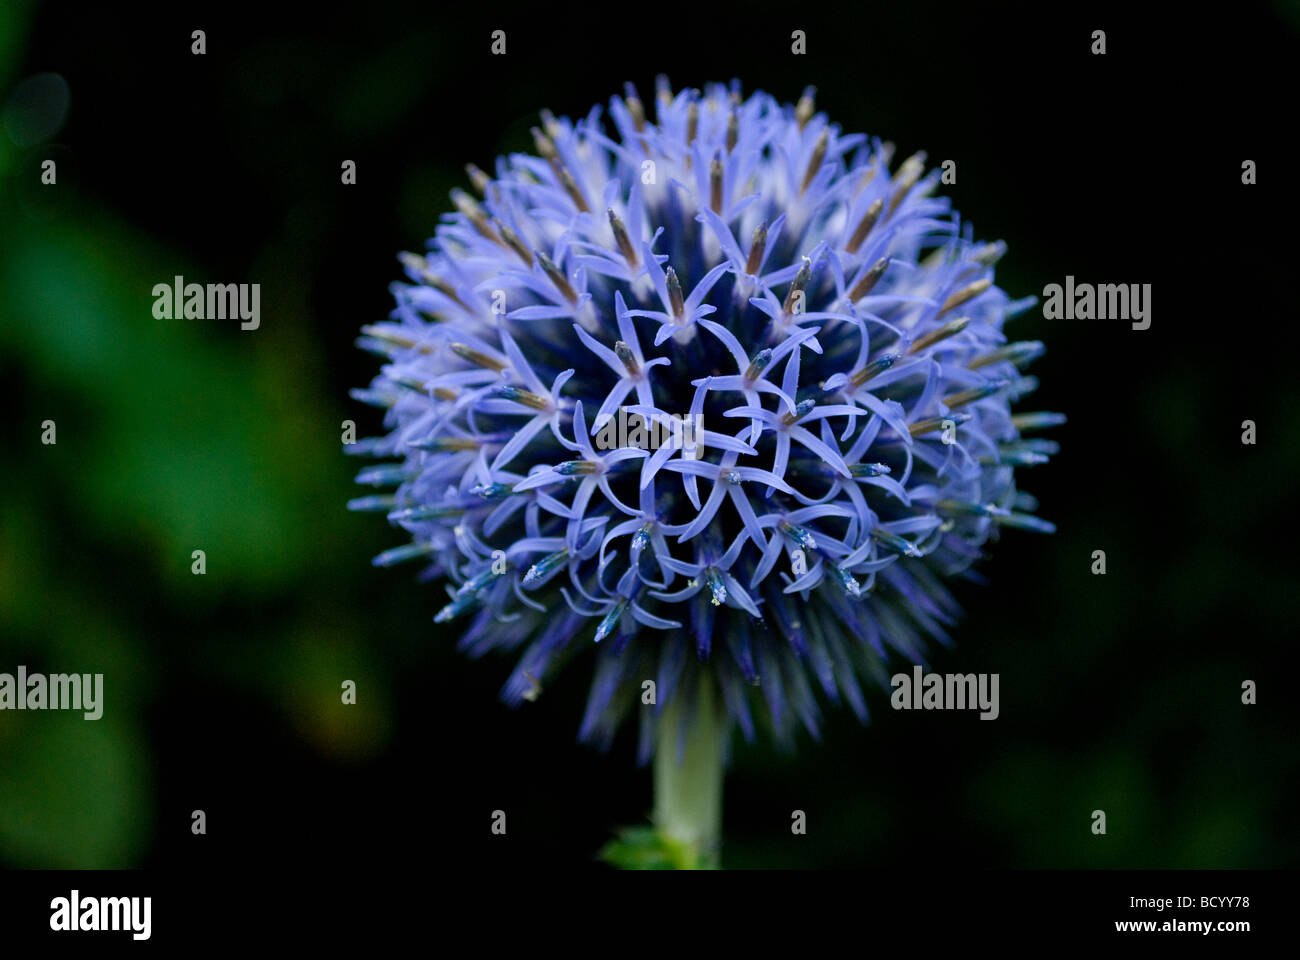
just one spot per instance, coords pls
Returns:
(826, 330)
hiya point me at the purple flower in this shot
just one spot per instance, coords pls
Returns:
(822, 435)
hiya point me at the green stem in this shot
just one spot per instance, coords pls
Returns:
(688, 791)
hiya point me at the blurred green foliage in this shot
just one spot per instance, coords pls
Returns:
(170, 438)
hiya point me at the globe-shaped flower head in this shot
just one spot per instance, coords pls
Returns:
(717, 400)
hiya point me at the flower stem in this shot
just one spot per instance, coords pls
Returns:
(688, 785)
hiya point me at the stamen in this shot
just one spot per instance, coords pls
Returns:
(411, 551)
(663, 96)
(525, 397)
(967, 292)
(545, 148)
(908, 173)
(610, 623)
(1014, 458)
(634, 107)
(896, 543)
(367, 447)
(863, 286)
(804, 110)
(990, 253)
(557, 277)
(445, 288)
(802, 409)
(865, 224)
(1017, 353)
(421, 266)
(413, 261)
(815, 161)
(757, 246)
(476, 357)
(409, 382)
(446, 444)
(572, 468)
(571, 188)
(454, 609)
(1036, 421)
(963, 397)
(624, 353)
(867, 176)
(545, 565)
(422, 388)
(433, 512)
(470, 209)
(1024, 521)
(475, 584)
(385, 475)
(492, 491)
(874, 368)
(622, 239)
(675, 294)
(715, 186)
(758, 364)
(797, 286)
(802, 536)
(513, 242)
(477, 178)
(374, 503)
(388, 336)
(847, 581)
(931, 424)
(963, 509)
(1035, 444)
(949, 329)
(716, 586)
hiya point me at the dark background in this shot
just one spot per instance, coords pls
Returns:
(1119, 693)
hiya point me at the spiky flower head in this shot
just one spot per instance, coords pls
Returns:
(719, 399)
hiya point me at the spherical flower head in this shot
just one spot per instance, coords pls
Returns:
(719, 399)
